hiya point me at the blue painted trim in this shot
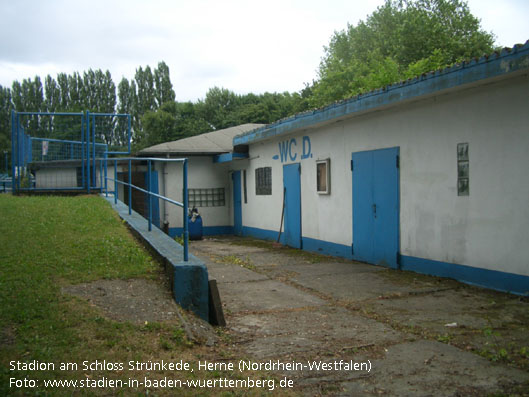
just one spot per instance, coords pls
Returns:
(497, 64)
(262, 234)
(227, 157)
(206, 231)
(494, 279)
(327, 248)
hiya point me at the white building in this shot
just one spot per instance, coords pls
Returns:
(429, 175)
(211, 159)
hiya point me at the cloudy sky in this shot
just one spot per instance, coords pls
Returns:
(245, 46)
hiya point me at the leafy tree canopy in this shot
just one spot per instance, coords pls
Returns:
(401, 39)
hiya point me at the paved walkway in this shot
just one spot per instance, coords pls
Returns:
(420, 335)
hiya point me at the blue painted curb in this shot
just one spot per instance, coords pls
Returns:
(189, 280)
(494, 279)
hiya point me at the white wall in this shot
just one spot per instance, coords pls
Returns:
(66, 177)
(487, 229)
(202, 174)
(50, 178)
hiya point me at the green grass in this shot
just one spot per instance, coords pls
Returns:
(50, 242)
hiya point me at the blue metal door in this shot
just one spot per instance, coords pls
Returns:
(292, 194)
(237, 203)
(376, 206)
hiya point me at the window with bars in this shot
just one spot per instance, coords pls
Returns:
(462, 169)
(263, 181)
(213, 197)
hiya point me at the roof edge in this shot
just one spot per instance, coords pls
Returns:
(499, 63)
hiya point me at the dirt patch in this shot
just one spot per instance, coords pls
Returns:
(136, 300)
(7, 336)
(141, 301)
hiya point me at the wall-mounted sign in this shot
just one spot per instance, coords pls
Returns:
(289, 150)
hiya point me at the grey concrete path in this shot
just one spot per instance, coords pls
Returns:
(421, 335)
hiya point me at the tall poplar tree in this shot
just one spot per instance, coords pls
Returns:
(163, 87)
(126, 105)
(6, 105)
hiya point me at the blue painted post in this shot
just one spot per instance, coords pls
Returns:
(186, 231)
(88, 151)
(71, 151)
(115, 182)
(21, 148)
(94, 149)
(130, 187)
(149, 194)
(128, 131)
(82, 149)
(13, 153)
(106, 174)
(101, 175)
(18, 152)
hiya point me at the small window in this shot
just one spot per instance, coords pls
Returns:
(206, 197)
(263, 181)
(462, 169)
(244, 187)
(323, 180)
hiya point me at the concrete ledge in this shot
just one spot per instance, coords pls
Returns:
(189, 280)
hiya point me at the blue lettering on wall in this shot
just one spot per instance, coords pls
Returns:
(306, 148)
(292, 142)
(283, 150)
(288, 150)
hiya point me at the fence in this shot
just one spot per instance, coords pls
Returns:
(60, 151)
(150, 194)
(52, 164)
(49, 149)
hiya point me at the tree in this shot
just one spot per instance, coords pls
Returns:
(126, 105)
(172, 121)
(29, 97)
(5, 122)
(77, 93)
(52, 94)
(218, 104)
(64, 90)
(163, 87)
(145, 99)
(399, 39)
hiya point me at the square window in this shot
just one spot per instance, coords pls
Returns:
(263, 181)
(206, 197)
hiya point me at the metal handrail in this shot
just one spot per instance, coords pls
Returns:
(149, 160)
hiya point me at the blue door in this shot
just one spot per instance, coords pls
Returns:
(237, 203)
(376, 206)
(292, 186)
(155, 210)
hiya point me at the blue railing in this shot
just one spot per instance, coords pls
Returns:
(5, 183)
(26, 149)
(148, 191)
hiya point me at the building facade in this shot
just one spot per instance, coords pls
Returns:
(427, 175)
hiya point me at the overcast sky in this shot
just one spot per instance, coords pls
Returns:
(245, 46)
